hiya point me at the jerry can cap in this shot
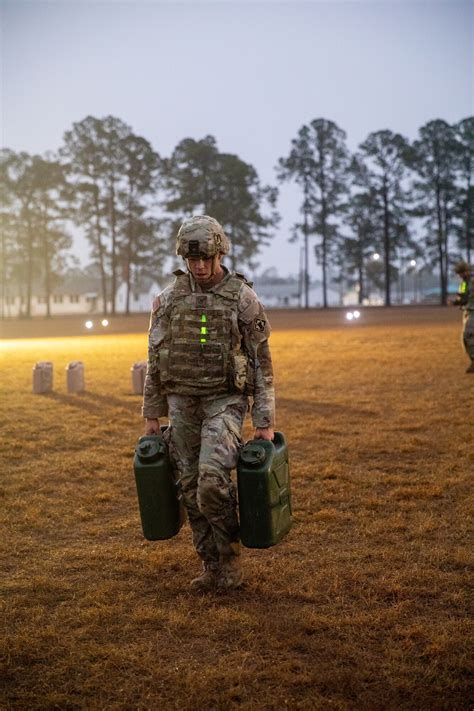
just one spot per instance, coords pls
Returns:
(150, 449)
(253, 454)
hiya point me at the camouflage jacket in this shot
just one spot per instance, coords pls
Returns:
(254, 330)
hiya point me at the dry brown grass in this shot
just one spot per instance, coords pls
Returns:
(363, 606)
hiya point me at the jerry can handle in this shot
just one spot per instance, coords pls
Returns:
(279, 441)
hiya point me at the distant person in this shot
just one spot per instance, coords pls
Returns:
(465, 299)
(208, 351)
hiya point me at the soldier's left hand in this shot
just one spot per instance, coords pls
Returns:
(264, 433)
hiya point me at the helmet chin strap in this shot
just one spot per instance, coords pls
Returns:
(214, 264)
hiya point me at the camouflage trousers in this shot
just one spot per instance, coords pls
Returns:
(204, 442)
(468, 333)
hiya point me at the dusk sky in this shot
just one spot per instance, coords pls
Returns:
(251, 74)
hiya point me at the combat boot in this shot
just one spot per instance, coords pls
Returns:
(230, 575)
(471, 368)
(207, 581)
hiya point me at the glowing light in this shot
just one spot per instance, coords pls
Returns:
(356, 314)
(89, 324)
(412, 262)
(349, 315)
(376, 256)
(104, 322)
(203, 338)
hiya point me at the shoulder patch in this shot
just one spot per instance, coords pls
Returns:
(259, 324)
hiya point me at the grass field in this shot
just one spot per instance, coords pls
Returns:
(365, 605)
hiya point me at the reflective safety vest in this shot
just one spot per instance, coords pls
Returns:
(201, 352)
(463, 293)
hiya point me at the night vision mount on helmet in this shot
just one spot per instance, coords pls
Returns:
(201, 236)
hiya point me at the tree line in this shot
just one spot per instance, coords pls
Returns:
(391, 197)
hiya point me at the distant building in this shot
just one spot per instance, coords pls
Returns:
(79, 293)
(281, 293)
(140, 299)
(277, 294)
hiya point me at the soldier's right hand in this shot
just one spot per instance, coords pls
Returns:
(152, 427)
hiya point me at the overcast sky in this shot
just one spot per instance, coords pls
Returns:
(249, 73)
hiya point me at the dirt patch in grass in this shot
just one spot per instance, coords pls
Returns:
(364, 605)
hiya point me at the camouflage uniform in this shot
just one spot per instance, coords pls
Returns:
(206, 412)
(468, 320)
(465, 299)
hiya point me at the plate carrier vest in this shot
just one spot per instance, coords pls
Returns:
(201, 353)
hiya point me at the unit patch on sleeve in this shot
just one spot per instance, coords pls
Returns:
(259, 324)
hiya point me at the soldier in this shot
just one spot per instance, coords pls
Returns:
(465, 299)
(208, 351)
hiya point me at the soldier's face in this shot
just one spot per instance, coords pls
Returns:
(201, 268)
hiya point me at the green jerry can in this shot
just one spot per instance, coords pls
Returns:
(161, 507)
(263, 482)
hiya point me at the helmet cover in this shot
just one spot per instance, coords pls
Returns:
(201, 236)
(462, 267)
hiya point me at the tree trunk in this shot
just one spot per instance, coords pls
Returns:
(386, 244)
(113, 226)
(446, 252)
(305, 232)
(468, 217)
(442, 271)
(4, 274)
(100, 248)
(301, 278)
(47, 273)
(324, 233)
(324, 230)
(128, 280)
(360, 267)
(128, 271)
(468, 239)
(29, 266)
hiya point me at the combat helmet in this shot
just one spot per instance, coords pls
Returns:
(462, 267)
(201, 235)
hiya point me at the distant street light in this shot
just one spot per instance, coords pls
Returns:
(89, 324)
(104, 322)
(412, 262)
(376, 256)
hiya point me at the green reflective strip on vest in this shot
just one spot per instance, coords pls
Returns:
(463, 287)
(203, 338)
